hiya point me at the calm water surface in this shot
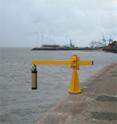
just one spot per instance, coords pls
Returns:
(18, 103)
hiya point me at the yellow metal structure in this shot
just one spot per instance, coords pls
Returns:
(75, 82)
(51, 62)
(75, 63)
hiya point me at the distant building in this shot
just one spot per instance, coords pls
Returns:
(97, 44)
(102, 43)
(112, 47)
(113, 44)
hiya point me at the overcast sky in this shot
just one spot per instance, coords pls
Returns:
(28, 23)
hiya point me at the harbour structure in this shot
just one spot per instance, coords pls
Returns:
(99, 44)
(93, 45)
(112, 47)
(70, 46)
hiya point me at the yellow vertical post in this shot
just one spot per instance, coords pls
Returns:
(75, 82)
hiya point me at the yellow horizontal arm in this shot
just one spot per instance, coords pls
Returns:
(66, 62)
(85, 62)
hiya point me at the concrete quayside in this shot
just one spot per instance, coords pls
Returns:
(97, 104)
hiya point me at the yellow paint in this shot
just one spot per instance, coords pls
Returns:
(75, 63)
(75, 83)
(85, 62)
(52, 62)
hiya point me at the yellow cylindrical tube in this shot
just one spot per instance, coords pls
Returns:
(34, 78)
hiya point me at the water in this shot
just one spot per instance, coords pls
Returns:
(18, 103)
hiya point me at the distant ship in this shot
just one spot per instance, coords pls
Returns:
(58, 47)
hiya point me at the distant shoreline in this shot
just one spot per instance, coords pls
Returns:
(62, 48)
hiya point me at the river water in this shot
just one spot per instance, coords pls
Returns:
(18, 103)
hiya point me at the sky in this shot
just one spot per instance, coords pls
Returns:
(30, 23)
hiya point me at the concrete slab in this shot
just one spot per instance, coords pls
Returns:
(97, 104)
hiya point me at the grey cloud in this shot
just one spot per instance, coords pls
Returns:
(80, 20)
